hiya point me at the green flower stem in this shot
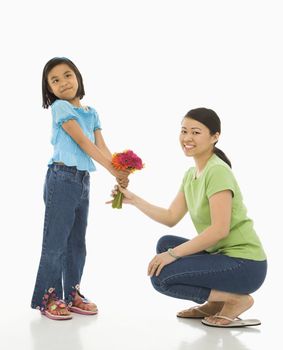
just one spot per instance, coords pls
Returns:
(117, 201)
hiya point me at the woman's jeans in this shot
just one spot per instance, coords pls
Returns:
(194, 276)
(66, 197)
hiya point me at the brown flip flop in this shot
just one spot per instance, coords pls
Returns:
(191, 313)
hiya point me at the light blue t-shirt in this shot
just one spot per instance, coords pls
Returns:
(66, 150)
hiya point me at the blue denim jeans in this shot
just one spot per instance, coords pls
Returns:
(194, 276)
(66, 197)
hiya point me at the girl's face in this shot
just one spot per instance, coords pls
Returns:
(195, 138)
(63, 83)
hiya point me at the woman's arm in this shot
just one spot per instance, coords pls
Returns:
(169, 217)
(220, 212)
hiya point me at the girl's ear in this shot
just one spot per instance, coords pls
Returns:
(49, 88)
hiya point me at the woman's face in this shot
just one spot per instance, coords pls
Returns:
(62, 82)
(195, 138)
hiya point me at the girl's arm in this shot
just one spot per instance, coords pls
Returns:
(100, 143)
(220, 212)
(74, 130)
(169, 217)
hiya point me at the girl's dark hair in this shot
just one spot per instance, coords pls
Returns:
(211, 120)
(47, 96)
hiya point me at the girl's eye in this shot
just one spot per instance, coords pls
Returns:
(183, 132)
(54, 81)
(195, 133)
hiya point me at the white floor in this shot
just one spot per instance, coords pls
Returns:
(143, 321)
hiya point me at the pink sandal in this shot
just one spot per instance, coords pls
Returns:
(78, 308)
(55, 305)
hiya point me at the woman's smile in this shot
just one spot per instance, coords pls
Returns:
(189, 147)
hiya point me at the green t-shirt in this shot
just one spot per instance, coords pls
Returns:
(242, 241)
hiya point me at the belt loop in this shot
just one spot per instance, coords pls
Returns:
(77, 175)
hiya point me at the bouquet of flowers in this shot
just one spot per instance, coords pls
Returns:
(126, 160)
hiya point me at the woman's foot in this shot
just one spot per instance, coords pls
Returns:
(57, 310)
(83, 306)
(232, 308)
(207, 309)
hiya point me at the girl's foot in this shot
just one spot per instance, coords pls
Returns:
(83, 306)
(232, 309)
(57, 310)
(207, 309)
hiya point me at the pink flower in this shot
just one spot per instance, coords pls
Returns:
(126, 160)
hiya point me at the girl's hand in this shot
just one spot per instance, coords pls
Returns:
(122, 178)
(129, 197)
(158, 262)
(120, 175)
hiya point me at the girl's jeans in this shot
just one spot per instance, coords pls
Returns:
(193, 277)
(66, 197)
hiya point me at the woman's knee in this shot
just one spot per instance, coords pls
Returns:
(164, 243)
(168, 241)
(156, 283)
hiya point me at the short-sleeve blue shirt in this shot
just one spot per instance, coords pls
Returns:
(66, 150)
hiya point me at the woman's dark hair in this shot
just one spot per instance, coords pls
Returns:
(211, 120)
(47, 96)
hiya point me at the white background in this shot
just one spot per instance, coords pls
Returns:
(144, 65)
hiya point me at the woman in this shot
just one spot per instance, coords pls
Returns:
(225, 262)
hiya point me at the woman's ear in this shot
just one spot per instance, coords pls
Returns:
(215, 137)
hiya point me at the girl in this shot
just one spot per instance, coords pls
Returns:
(225, 262)
(76, 137)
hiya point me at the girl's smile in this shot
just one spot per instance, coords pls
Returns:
(63, 83)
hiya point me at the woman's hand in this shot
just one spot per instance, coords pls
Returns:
(158, 262)
(129, 197)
